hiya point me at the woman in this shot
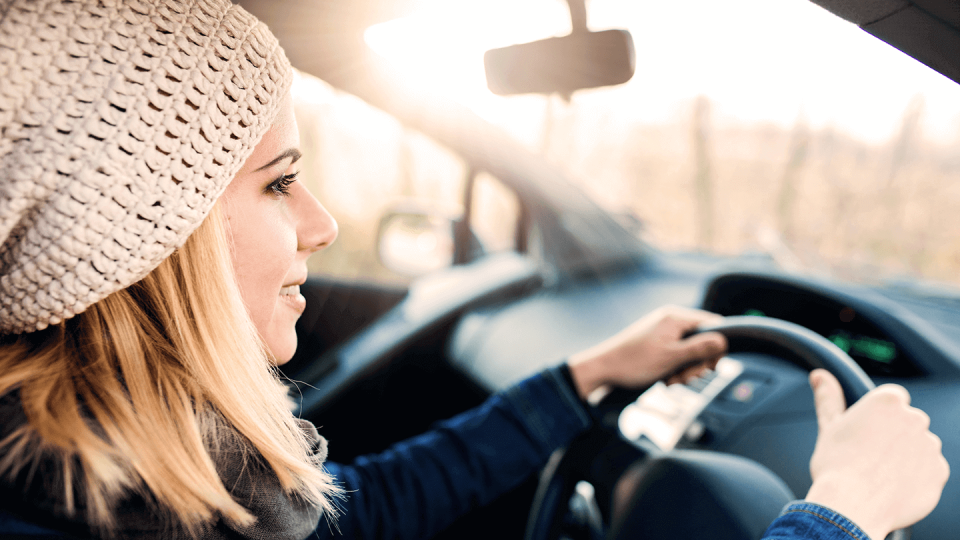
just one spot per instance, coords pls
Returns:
(154, 237)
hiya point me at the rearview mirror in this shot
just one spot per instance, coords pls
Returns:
(563, 64)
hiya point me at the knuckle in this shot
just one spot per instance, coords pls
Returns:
(667, 310)
(703, 347)
(921, 418)
(900, 392)
(913, 418)
(933, 441)
(936, 442)
(892, 394)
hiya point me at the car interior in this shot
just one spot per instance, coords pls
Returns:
(380, 363)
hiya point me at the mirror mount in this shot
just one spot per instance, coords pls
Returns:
(578, 16)
(578, 25)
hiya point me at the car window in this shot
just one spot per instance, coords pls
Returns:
(360, 163)
(494, 214)
(750, 127)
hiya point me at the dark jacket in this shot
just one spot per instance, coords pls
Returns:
(411, 491)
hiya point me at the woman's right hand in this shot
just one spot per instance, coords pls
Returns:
(877, 463)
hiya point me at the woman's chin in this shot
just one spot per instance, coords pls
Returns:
(281, 353)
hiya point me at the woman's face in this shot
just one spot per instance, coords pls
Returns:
(275, 223)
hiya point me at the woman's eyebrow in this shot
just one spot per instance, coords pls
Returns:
(288, 153)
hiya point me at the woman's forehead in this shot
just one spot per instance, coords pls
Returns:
(280, 138)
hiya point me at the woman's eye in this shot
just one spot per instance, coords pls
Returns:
(281, 186)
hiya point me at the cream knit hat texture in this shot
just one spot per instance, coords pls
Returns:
(121, 122)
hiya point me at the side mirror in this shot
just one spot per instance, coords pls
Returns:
(414, 243)
(563, 64)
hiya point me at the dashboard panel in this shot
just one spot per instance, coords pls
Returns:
(843, 320)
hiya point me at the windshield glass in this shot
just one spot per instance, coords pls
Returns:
(749, 126)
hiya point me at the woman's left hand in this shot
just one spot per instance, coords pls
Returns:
(651, 349)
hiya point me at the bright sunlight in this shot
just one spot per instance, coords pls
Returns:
(755, 59)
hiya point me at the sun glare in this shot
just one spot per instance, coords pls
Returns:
(757, 60)
(444, 47)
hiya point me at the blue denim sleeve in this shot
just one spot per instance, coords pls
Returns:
(420, 486)
(802, 520)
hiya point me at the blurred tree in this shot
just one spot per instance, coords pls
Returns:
(906, 139)
(792, 172)
(703, 182)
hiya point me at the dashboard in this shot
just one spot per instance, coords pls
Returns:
(448, 349)
(758, 405)
(849, 322)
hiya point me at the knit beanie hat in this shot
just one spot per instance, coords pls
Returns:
(121, 122)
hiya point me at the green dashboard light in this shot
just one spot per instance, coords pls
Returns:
(875, 349)
(841, 341)
(754, 313)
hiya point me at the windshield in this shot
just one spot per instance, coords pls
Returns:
(750, 126)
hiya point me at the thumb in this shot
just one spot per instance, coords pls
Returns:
(827, 396)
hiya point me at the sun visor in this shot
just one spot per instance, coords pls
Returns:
(927, 30)
(861, 13)
(922, 36)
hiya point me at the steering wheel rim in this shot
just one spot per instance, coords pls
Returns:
(803, 347)
(790, 341)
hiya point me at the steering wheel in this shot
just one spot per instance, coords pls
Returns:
(721, 482)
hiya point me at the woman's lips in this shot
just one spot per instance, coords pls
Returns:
(292, 297)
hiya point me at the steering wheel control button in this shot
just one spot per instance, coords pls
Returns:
(743, 392)
(695, 432)
(665, 414)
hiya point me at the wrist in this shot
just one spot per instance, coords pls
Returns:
(587, 374)
(798, 516)
(832, 494)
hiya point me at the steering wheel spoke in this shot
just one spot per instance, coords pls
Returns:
(664, 414)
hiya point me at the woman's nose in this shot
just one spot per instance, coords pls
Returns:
(316, 228)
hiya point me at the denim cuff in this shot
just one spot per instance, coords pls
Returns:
(802, 519)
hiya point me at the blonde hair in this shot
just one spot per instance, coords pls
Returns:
(172, 358)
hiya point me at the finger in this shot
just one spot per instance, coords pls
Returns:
(688, 374)
(895, 391)
(713, 363)
(935, 441)
(827, 396)
(706, 346)
(691, 318)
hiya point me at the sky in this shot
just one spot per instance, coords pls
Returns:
(757, 60)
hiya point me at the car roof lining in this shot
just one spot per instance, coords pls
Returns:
(865, 12)
(928, 30)
(947, 11)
